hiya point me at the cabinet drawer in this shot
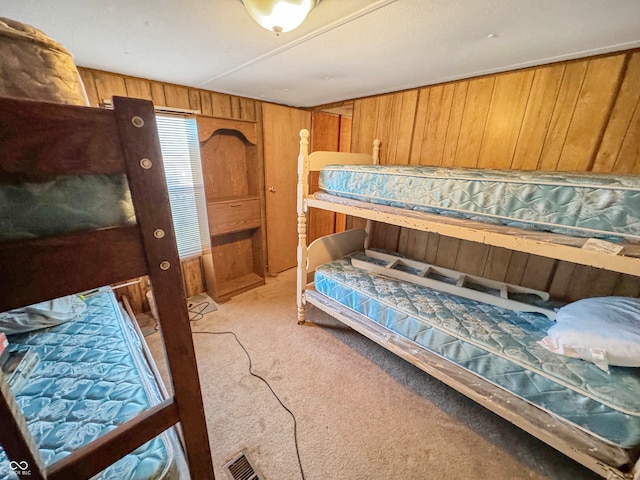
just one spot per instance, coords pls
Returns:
(233, 215)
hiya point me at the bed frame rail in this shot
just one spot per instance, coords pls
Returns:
(39, 140)
(75, 263)
(61, 139)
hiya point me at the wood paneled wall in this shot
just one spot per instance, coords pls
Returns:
(331, 133)
(579, 115)
(101, 86)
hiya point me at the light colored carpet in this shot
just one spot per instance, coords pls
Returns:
(362, 412)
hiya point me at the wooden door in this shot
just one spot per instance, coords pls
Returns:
(281, 127)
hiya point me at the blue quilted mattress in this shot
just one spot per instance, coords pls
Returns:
(578, 204)
(66, 204)
(496, 344)
(92, 377)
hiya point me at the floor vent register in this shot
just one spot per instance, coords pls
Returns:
(243, 468)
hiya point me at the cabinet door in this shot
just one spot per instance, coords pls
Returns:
(281, 127)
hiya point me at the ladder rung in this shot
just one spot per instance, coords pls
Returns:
(425, 271)
(454, 274)
(497, 294)
(504, 291)
(92, 458)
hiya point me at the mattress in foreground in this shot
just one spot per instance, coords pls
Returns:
(498, 345)
(578, 204)
(65, 204)
(92, 377)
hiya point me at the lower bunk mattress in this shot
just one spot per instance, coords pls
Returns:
(578, 204)
(500, 346)
(92, 376)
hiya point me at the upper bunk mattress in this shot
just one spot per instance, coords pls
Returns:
(496, 344)
(36, 67)
(63, 205)
(92, 377)
(577, 204)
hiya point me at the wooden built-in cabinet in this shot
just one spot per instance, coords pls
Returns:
(101, 86)
(233, 182)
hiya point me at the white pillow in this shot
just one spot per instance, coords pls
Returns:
(41, 315)
(605, 331)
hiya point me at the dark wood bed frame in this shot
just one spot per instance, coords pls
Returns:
(40, 140)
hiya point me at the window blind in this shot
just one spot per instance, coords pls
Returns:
(181, 154)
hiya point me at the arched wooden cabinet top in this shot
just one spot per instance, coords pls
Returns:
(209, 126)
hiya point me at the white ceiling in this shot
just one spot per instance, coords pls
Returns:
(345, 49)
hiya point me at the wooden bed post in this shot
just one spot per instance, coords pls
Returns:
(145, 174)
(15, 437)
(376, 161)
(376, 152)
(302, 193)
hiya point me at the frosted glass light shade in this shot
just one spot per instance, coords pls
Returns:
(279, 15)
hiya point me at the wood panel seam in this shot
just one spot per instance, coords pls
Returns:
(553, 111)
(486, 121)
(413, 127)
(610, 107)
(524, 111)
(464, 105)
(627, 132)
(573, 112)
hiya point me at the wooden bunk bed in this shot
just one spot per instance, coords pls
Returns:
(39, 141)
(575, 441)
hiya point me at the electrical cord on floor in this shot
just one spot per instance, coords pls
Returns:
(295, 425)
(192, 309)
(198, 314)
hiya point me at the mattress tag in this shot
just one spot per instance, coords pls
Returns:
(602, 246)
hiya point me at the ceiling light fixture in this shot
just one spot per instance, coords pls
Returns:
(279, 15)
